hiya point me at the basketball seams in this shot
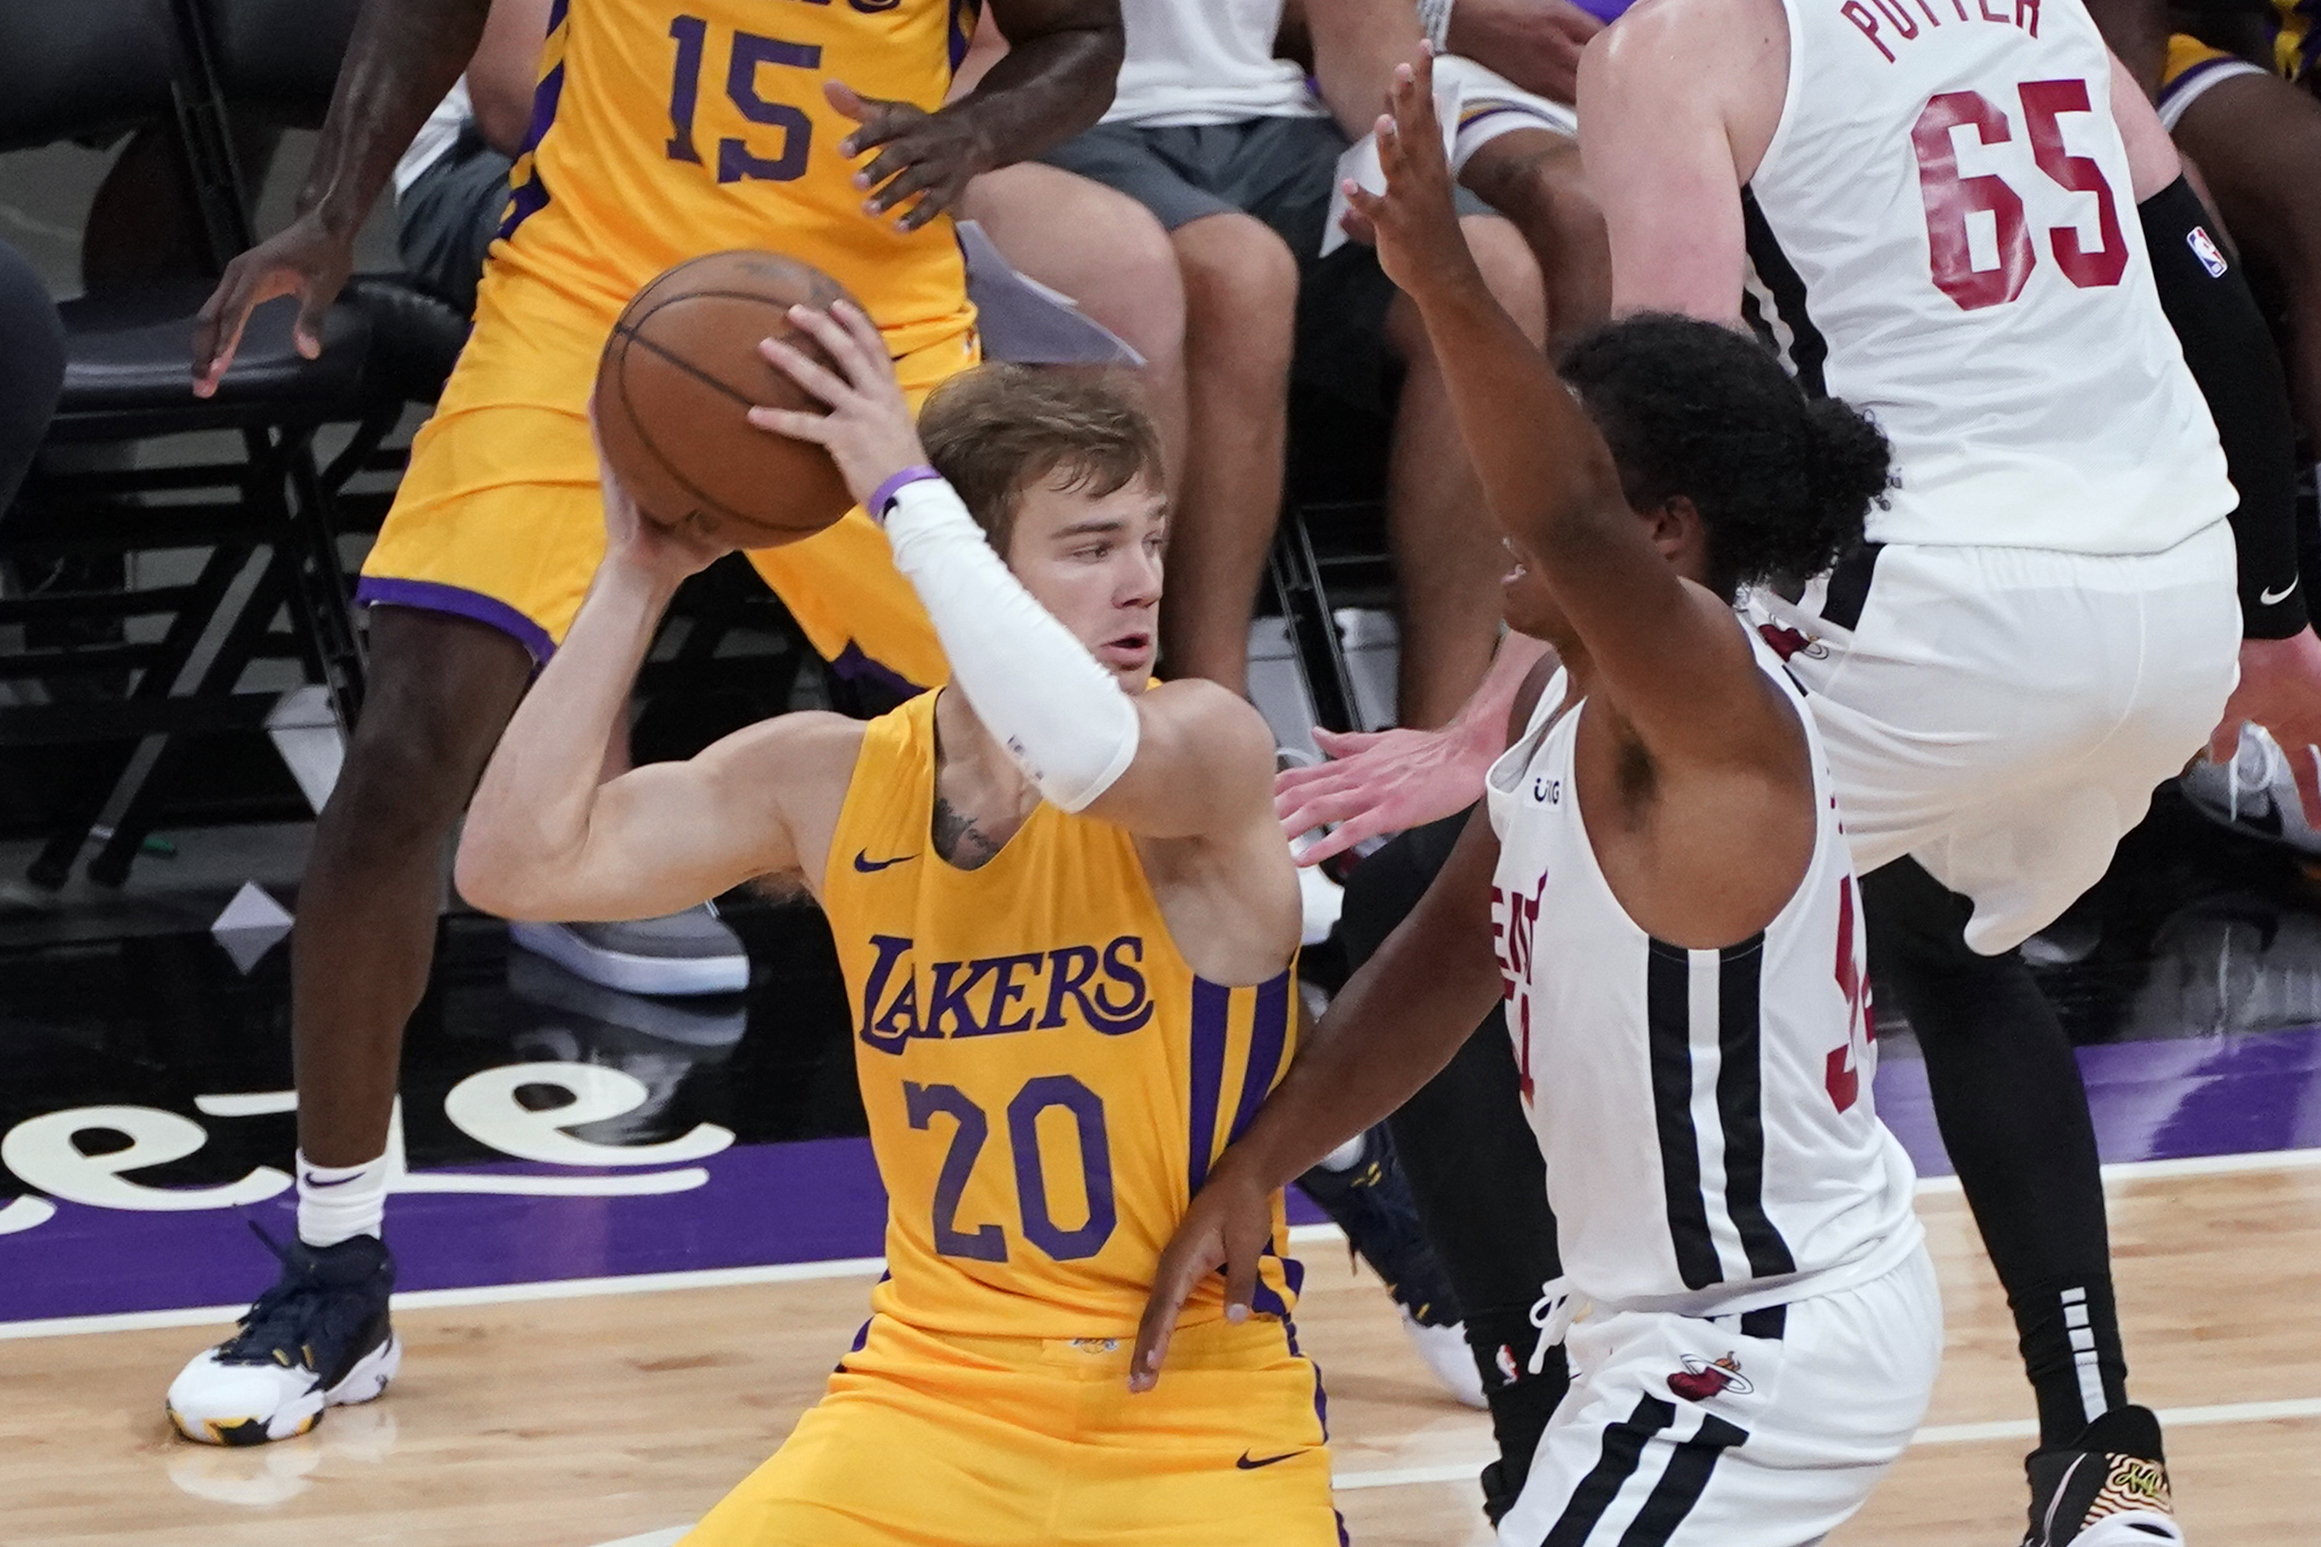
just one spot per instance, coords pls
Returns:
(698, 348)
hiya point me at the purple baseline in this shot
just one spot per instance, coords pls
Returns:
(821, 1200)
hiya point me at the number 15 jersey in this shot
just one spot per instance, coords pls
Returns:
(1046, 1080)
(665, 129)
(1943, 232)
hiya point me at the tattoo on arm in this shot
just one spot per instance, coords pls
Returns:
(958, 839)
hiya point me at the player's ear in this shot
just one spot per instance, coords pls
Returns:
(1678, 533)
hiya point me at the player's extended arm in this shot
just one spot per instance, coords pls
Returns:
(1670, 656)
(1055, 79)
(545, 840)
(1391, 1029)
(1656, 91)
(1387, 781)
(403, 58)
(505, 69)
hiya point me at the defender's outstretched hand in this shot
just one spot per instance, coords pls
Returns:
(1413, 224)
(1227, 1226)
(868, 431)
(1381, 782)
(932, 155)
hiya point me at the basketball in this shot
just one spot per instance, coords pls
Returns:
(679, 372)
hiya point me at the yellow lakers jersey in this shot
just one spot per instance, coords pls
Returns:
(664, 129)
(1047, 1081)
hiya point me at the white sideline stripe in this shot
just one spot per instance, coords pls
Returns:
(2191, 1165)
(514, 1294)
(2117, 1172)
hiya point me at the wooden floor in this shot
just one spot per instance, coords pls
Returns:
(572, 1422)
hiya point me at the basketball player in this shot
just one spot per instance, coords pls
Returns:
(2042, 628)
(1661, 890)
(1066, 920)
(655, 137)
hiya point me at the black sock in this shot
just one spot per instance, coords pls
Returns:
(2013, 1114)
(1476, 1176)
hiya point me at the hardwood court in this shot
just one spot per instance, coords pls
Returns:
(577, 1421)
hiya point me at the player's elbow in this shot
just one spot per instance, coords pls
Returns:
(497, 874)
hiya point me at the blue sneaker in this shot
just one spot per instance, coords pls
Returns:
(1370, 1200)
(318, 1338)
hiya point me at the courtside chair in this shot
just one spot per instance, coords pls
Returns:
(261, 521)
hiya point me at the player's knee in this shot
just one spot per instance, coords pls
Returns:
(1241, 285)
(1140, 294)
(437, 701)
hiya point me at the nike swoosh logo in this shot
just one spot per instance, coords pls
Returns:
(868, 866)
(311, 1180)
(1248, 1465)
(2282, 595)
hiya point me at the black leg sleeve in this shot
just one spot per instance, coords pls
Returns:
(31, 368)
(2013, 1114)
(2231, 354)
(1475, 1174)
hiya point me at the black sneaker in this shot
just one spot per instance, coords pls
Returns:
(2108, 1488)
(319, 1338)
(1370, 1200)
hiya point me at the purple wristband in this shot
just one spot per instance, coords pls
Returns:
(884, 495)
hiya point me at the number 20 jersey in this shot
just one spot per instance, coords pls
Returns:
(1943, 232)
(665, 129)
(1711, 1140)
(1046, 1080)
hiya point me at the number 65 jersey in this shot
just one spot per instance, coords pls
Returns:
(1046, 1080)
(1943, 232)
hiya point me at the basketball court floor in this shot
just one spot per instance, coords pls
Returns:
(635, 1234)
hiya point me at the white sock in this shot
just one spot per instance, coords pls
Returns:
(1344, 1156)
(338, 1203)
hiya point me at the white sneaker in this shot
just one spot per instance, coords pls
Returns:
(1446, 1353)
(319, 1338)
(693, 952)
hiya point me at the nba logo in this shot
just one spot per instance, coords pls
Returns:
(2206, 251)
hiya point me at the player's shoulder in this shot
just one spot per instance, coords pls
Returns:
(1687, 48)
(1688, 27)
(1233, 735)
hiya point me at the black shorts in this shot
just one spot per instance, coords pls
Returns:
(1282, 171)
(446, 219)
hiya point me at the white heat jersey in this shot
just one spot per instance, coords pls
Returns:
(1943, 233)
(1706, 1116)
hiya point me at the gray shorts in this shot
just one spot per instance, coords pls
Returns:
(1281, 170)
(446, 219)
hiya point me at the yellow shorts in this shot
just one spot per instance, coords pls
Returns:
(499, 520)
(1005, 1442)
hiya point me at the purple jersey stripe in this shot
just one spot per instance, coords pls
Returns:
(531, 195)
(1268, 1035)
(1211, 1003)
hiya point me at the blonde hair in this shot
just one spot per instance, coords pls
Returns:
(997, 430)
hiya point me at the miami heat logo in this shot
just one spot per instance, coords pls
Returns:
(1705, 1378)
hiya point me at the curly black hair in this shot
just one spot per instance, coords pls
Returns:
(1782, 481)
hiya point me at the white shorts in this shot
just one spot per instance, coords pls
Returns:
(2002, 715)
(1683, 1431)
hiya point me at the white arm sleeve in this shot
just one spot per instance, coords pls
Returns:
(1059, 713)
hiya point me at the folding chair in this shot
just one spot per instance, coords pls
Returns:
(264, 520)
